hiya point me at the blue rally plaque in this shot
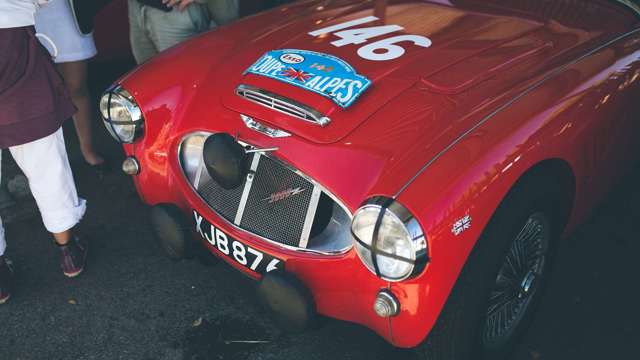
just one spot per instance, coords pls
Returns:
(323, 74)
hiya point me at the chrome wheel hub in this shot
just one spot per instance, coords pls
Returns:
(528, 284)
(517, 280)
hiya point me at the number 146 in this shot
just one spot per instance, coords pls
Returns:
(381, 50)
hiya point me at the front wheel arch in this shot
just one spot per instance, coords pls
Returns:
(556, 173)
(553, 184)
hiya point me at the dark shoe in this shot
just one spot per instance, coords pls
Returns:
(6, 280)
(101, 170)
(74, 256)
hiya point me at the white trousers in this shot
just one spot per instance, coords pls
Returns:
(46, 166)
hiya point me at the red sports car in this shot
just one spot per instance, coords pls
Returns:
(406, 165)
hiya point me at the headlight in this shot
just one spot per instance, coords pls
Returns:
(121, 115)
(191, 156)
(389, 240)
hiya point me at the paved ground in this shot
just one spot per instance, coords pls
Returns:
(133, 303)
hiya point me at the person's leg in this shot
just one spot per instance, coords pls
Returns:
(46, 165)
(5, 270)
(141, 45)
(6, 280)
(63, 238)
(171, 28)
(75, 77)
(3, 242)
(223, 12)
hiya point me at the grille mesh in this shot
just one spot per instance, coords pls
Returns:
(281, 220)
(225, 202)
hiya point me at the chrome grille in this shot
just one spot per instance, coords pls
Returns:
(276, 202)
(282, 220)
(225, 202)
(282, 104)
(287, 220)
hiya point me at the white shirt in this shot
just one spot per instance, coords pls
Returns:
(18, 13)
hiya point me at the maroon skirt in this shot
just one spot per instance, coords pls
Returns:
(34, 101)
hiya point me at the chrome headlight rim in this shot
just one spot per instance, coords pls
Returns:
(417, 239)
(190, 155)
(132, 108)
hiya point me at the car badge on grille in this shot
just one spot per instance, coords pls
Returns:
(281, 195)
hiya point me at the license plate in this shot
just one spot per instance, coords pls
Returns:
(235, 250)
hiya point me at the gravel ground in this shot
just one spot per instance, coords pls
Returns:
(133, 303)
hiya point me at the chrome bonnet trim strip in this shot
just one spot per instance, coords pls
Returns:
(508, 104)
(630, 5)
(247, 189)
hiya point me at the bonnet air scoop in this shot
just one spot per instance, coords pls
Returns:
(282, 104)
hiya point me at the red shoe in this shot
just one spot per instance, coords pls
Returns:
(6, 280)
(74, 256)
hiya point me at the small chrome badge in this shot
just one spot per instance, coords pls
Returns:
(281, 195)
(461, 225)
(254, 125)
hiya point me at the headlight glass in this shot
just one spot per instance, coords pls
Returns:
(399, 250)
(121, 115)
(191, 156)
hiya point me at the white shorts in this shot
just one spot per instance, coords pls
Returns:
(55, 20)
(45, 163)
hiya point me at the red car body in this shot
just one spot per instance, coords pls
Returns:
(446, 130)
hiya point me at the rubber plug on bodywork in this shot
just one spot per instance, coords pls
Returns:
(170, 228)
(225, 160)
(288, 299)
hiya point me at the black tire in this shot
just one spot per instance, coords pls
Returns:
(170, 229)
(172, 233)
(460, 331)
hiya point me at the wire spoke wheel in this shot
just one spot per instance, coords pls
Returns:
(517, 280)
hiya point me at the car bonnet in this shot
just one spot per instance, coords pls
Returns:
(454, 35)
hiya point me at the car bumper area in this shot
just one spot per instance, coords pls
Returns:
(339, 285)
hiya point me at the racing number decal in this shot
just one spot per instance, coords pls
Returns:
(381, 50)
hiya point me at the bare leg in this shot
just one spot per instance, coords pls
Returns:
(75, 77)
(64, 237)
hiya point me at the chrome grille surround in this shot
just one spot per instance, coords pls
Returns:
(282, 104)
(262, 216)
(342, 218)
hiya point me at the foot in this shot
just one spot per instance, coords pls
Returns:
(97, 164)
(6, 280)
(74, 256)
(92, 158)
(101, 170)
